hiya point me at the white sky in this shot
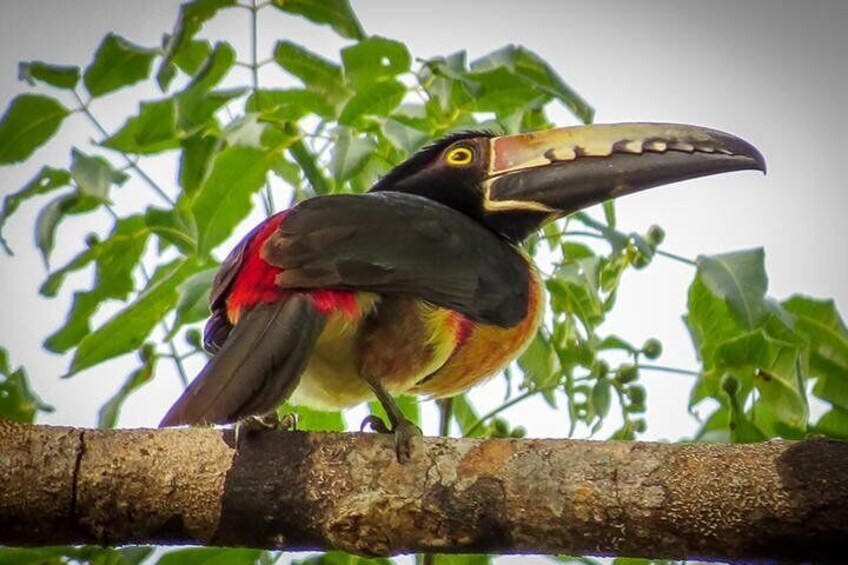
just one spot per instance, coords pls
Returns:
(772, 72)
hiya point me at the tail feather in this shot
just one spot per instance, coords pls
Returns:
(257, 368)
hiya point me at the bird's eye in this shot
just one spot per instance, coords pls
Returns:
(459, 156)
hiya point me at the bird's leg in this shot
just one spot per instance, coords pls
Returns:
(406, 432)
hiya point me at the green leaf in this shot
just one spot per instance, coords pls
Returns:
(444, 79)
(408, 406)
(308, 163)
(127, 330)
(466, 416)
(223, 198)
(18, 402)
(29, 121)
(571, 560)
(173, 227)
(617, 342)
(288, 105)
(60, 555)
(180, 47)
(117, 63)
(540, 362)
(820, 323)
(48, 220)
(310, 419)
(115, 260)
(535, 71)
(574, 289)
(152, 130)
(196, 109)
(778, 371)
(709, 321)
(317, 73)
(94, 176)
(108, 415)
(116, 256)
(502, 92)
(212, 556)
(335, 13)
(191, 57)
(349, 154)
(193, 304)
(740, 278)
(214, 68)
(46, 180)
(405, 138)
(833, 423)
(60, 76)
(342, 558)
(378, 99)
(195, 158)
(375, 59)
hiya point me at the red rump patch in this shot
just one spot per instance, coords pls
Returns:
(255, 282)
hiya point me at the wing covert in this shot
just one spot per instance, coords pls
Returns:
(397, 243)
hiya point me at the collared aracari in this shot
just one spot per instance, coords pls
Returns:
(419, 285)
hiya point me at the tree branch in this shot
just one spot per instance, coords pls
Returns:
(778, 500)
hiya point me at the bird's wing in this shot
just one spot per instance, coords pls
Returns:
(258, 365)
(394, 243)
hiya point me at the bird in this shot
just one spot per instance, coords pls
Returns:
(420, 284)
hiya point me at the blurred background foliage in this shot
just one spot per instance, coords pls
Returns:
(338, 126)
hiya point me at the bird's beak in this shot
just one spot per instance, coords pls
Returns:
(563, 170)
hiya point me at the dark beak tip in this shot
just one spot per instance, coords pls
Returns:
(758, 162)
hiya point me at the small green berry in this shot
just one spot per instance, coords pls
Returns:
(627, 373)
(655, 235)
(652, 348)
(194, 338)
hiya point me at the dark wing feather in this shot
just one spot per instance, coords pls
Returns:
(396, 243)
(257, 368)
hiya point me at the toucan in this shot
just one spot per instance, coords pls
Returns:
(419, 285)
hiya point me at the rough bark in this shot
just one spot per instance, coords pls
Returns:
(778, 500)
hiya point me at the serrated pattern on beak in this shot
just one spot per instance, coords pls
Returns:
(539, 149)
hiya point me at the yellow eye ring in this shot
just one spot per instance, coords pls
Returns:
(459, 156)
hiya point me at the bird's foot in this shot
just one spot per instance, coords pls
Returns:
(407, 435)
(268, 422)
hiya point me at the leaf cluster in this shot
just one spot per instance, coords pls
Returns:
(335, 125)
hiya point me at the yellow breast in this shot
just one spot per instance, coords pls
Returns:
(409, 346)
(397, 340)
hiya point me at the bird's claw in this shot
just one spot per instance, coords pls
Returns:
(408, 439)
(375, 423)
(268, 422)
(407, 435)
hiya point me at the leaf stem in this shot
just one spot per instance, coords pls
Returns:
(445, 412)
(130, 163)
(666, 254)
(675, 370)
(676, 257)
(267, 195)
(505, 405)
